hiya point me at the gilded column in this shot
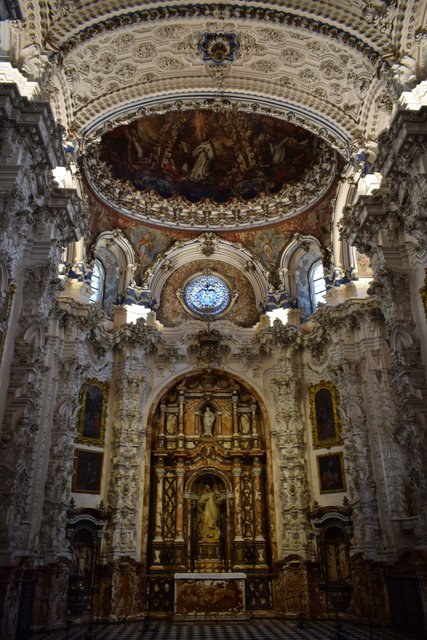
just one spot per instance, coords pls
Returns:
(237, 472)
(162, 426)
(181, 421)
(256, 486)
(235, 421)
(160, 475)
(254, 427)
(179, 533)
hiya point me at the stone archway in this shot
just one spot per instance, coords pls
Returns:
(209, 510)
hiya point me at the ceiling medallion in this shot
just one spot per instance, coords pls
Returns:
(218, 47)
(210, 170)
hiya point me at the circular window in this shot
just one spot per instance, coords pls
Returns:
(207, 295)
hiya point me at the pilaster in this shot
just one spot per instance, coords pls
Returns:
(388, 227)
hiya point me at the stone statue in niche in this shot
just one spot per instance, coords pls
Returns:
(245, 425)
(208, 422)
(81, 560)
(171, 424)
(208, 515)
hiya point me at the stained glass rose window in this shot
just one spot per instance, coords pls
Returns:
(207, 295)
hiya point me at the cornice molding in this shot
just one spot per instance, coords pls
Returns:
(228, 11)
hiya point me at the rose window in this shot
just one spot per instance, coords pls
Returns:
(207, 295)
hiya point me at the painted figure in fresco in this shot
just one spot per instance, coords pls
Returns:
(208, 421)
(278, 151)
(207, 522)
(134, 150)
(204, 154)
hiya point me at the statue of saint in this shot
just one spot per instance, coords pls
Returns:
(171, 424)
(207, 522)
(245, 425)
(80, 557)
(208, 421)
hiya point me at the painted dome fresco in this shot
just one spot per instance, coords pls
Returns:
(208, 155)
(210, 168)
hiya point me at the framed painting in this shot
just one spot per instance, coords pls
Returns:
(87, 471)
(331, 473)
(5, 307)
(93, 412)
(325, 420)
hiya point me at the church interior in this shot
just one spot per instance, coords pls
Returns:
(213, 311)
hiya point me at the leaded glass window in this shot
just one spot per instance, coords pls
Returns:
(207, 295)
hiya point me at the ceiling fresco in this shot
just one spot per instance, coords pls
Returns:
(207, 155)
(208, 169)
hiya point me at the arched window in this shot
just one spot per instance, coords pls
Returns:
(114, 258)
(316, 284)
(310, 283)
(97, 282)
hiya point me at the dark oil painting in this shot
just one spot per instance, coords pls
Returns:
(325, 422)
(87, 471)
(331, 473)
(93, 412)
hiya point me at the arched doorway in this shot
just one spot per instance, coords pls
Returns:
(210, 489)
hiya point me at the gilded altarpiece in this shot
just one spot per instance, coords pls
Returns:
(209, 507)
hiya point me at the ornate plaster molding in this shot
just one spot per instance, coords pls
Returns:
(232, 12)
(205, 246)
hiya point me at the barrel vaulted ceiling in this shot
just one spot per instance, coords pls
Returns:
(327, 62)
(335, 68)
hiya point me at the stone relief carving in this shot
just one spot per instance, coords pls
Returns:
(388, 215)
(123, 490)
(288, 437)
(381, 14)
(363, 494)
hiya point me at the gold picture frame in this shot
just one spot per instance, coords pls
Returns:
(87, 471)
(331, 473)
(93, 412)
(4, 316)
(324, 415)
